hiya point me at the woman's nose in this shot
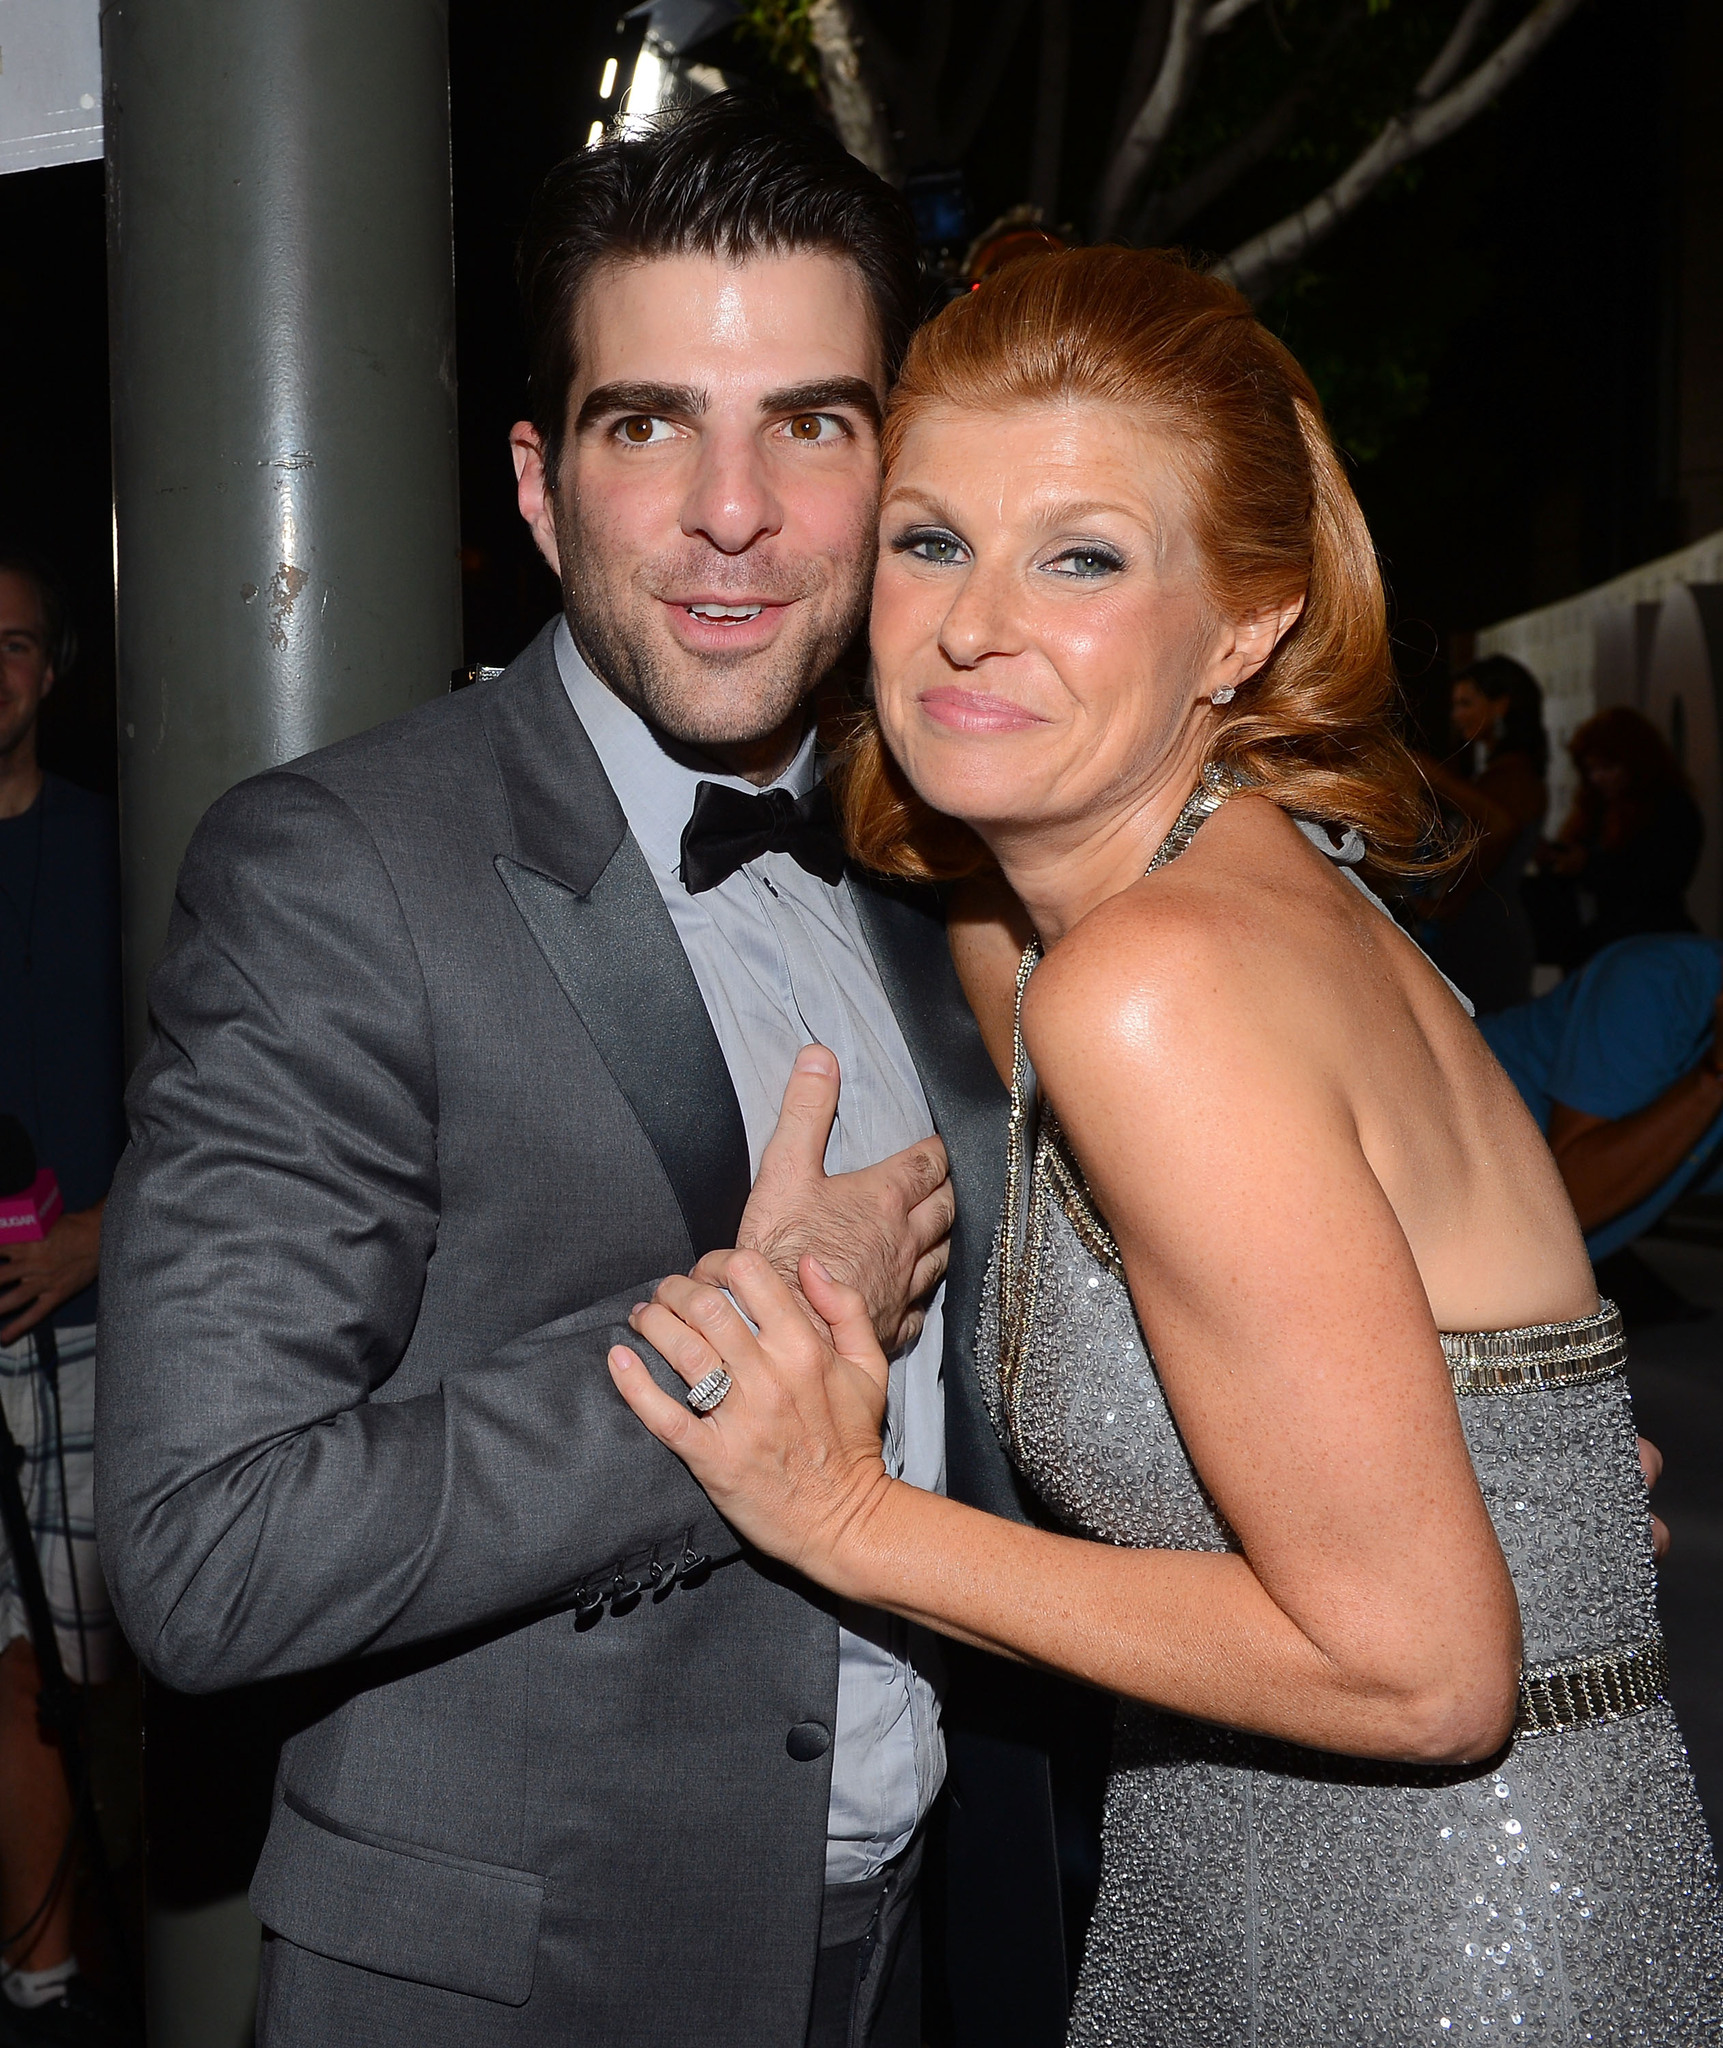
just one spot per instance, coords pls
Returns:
(982, 618)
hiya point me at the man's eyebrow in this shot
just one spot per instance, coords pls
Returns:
(674, 401)
(823, 394)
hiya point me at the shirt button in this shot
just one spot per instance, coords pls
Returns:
(807, 1740)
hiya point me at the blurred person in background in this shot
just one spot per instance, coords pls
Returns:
(60, 1076)
(1623, 859)
(1479, 931)
(1620, 1065)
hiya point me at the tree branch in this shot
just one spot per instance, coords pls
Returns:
(1164, 213)
(1135, 156)
(1049, 145)
(857, 106)
(1255, 266)
(1223, 13)
(1454, 51)
(1148, 46)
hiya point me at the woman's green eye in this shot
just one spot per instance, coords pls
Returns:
(942, 549)
(1088, 562)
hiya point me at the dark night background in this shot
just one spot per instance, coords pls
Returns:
(1517, 337)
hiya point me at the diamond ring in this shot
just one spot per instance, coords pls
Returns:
(705, 1394)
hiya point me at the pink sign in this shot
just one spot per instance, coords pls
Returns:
(32, 1214)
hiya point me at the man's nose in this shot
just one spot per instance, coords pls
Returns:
(732, 503)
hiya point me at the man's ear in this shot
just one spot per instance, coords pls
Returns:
(532, 491)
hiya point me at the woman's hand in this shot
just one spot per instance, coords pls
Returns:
(791, 1455)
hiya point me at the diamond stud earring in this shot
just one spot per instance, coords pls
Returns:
(1224, 695)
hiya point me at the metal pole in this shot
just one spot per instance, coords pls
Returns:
(286, 540)
(282, 328)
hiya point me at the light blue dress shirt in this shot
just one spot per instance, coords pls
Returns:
(782, 962)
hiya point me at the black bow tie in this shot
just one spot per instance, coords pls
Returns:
(729, 827)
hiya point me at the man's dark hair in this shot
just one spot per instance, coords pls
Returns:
(734, 175)
(57, 627)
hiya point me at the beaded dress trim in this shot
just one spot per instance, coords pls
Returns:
(1584, 1690)
(1541, 1355)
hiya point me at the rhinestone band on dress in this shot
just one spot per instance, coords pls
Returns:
(1557, 1697)
(1544, 1355)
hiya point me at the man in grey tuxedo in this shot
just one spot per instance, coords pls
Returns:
(470, 1029)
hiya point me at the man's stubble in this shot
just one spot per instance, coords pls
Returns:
(709, 700)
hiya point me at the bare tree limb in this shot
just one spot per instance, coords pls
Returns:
(1223, 13)
(1050, 89)
(1454, 51)
(1164, 213)
(1153, 121)
(1148, 46)
(857, 107)
(1255, 266)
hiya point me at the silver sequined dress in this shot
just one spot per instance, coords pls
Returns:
(1257, 1895)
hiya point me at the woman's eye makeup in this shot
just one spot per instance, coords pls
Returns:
(1086, 561)
(935, 544)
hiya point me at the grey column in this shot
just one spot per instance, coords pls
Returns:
(281, 297)
(282, 309)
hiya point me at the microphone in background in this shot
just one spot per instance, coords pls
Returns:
(30, 1203)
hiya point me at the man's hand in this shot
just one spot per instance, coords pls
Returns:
(884, 1230)
(36, 1277)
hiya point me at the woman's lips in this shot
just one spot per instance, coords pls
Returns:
(976, 711)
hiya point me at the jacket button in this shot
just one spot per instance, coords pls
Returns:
(807, 1740)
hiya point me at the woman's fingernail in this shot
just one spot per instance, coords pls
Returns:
(619, 1359)
(639, 1309)
(820, 1269)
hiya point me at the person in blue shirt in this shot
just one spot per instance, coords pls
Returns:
(1622, 1065)
(61, 1077)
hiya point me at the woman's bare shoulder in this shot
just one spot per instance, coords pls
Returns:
(1199, 945)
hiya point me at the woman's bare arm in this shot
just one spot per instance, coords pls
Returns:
(1371, 1611)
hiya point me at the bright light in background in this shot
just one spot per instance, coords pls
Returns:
(595, 133)
(607, 84)
(648, 88)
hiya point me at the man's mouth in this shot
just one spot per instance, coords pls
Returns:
(723, 614)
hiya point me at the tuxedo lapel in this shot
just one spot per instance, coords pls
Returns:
(583, 888)
(907, 934)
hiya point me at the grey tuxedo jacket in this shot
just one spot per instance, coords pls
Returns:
(432, 1099)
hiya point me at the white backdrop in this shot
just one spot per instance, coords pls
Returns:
(50, 82)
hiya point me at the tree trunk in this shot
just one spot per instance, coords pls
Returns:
(857, 108)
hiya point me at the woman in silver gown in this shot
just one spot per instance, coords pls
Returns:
(1290, 1326)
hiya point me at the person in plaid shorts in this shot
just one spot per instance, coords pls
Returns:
(60, 1076)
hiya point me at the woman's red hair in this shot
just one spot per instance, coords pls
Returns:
(1272, 514)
